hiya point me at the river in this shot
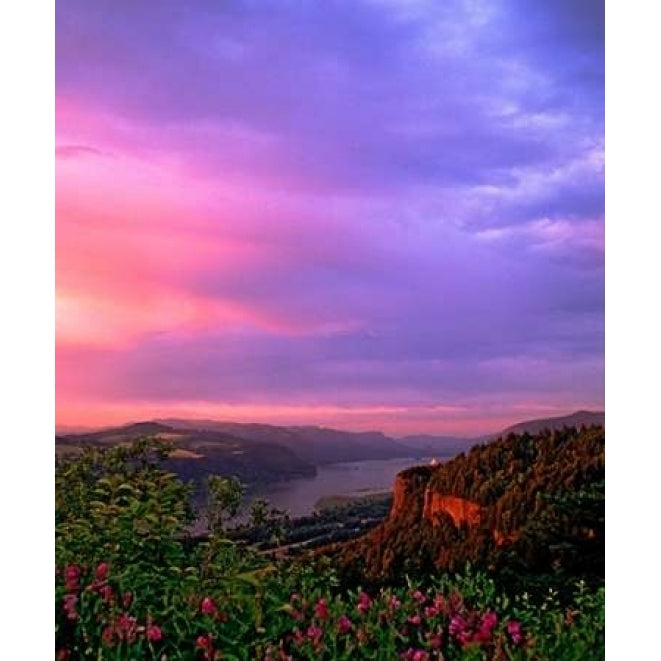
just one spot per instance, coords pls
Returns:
(357, 478)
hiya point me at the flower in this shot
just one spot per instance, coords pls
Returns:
(419, 655)
(514, 630)
(314, 633)
(69, 606)
(298, 636)
(364, 602)
(430, 611)
(489, 621)
(208, 606)
(415, 620)
(419, 597)
(435, 642)
(127, 627)
(394, 603)
(106, 593)
(321, 609)
(439, 604)
(72, 577)
(102, 571)
(344, 624)
(457, 625)
(154, 633)
(204, 643)
(487, 624)
(127, 599)
(63, 654)
(108, 636)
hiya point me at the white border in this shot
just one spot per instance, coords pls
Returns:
(27, 272)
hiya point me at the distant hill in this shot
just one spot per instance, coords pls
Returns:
(317, 445)
(202, 452)
(442, 446)
(256, 452)
(587, 418)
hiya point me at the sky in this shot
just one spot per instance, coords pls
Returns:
(367, 214)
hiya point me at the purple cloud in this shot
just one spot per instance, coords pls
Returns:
(419, 185)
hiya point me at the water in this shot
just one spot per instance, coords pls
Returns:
(357, 479)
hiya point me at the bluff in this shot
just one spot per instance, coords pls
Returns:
(523, 503)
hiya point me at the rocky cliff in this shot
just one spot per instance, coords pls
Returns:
(460, 510)
(515, 502)
(409, 492)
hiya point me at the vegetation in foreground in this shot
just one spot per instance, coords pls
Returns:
(131, 584)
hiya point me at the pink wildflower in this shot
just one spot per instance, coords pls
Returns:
(415, 620)
(127, 599)
(106, 593)
(208, 606)
(364, 602)
(514, 630)
(419, 655)
(108, 636)
(314, 633)
(321, 609)
(71, 577)
(344, 624)
(102, 571)
(394, 603)
(127, 627)
(435, 642)
(440, 604)
(69, 606)
(489, 621)
(419, 597)
(431, 611)
(154, 633)
(457, 625)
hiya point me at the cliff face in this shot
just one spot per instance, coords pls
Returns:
(414, 498)
(461, 510)
(409, 491)
(484, 507)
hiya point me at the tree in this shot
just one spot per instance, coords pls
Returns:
(224, 496)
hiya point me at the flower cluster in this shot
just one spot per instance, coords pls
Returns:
(120, 626)
(417, 626)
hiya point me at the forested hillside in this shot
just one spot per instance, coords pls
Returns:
(521, 504)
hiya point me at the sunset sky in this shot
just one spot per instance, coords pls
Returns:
(383, 214)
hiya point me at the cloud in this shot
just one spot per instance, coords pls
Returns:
(363, 204)
(76, 151)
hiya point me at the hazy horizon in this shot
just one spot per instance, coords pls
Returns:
(380, 214)
(72, 429)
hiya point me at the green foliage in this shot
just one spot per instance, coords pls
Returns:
(224, 495)
(116, 504)
(131, 585)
